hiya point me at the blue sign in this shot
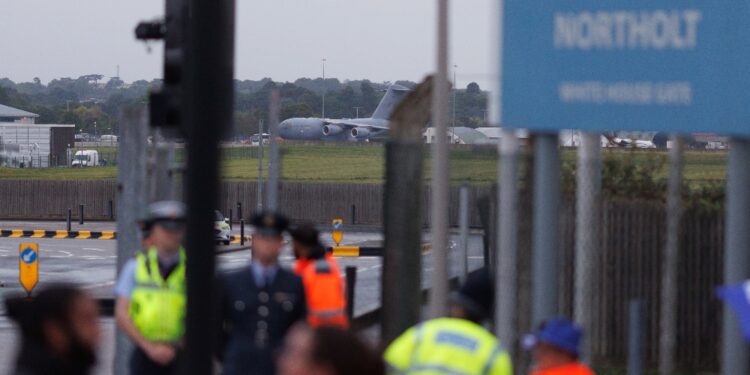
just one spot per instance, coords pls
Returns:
(28, 255)
(663, 65)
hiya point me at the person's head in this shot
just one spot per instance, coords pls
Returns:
(555, 343)
(475, 299)
(268, 236)
(61, 319)
(164, 226)
(306, 242)
(327, 350)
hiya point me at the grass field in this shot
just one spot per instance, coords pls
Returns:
(337, 163)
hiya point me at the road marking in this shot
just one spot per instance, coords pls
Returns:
(99, 285)
(93, 249)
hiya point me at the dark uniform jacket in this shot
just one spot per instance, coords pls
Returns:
(255, 320)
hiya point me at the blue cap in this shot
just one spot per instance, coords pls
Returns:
(560, 333)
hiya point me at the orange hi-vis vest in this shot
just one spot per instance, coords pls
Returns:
(325, 293)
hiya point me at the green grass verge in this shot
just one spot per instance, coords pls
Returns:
(348, 163)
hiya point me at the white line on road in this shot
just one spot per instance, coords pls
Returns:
(99, 285)
(93, 249)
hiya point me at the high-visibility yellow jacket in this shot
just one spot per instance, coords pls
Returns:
(447, 346)
(157, 306)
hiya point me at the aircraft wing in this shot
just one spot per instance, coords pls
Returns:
(353, 124)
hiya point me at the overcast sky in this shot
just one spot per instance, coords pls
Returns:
(381, 40)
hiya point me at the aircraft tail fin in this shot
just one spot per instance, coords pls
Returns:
(389, 102)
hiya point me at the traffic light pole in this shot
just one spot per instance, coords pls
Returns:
(207, 108)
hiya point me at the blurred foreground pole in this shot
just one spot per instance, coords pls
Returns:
(131, 184)
(545, 246)
(439, 211)
(506, 275)
(161, 173)
(668, 313)
(588, 229)
(402, 222)
(274, 164)
(208, 109)
(734, 357)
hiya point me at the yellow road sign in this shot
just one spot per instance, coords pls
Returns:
(337, 233)
(28, 265)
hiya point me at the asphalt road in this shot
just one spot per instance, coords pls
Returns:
(91, 264)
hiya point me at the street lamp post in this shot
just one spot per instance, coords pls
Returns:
(323, 111)
(357, 109)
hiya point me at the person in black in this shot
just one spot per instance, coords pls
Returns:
(260, 303)
(59, 331)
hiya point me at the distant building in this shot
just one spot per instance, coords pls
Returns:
(10, 114)
(25, 145)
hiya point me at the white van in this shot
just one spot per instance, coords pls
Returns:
(85, 158)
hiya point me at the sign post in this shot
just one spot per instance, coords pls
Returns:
(337, 233)
(28, 266)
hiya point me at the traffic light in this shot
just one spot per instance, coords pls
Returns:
(165, 103)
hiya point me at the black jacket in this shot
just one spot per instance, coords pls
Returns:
(255, 320)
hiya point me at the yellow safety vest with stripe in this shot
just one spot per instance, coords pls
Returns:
(157, 306)
(447, 346)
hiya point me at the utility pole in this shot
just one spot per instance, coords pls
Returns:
(323, 111)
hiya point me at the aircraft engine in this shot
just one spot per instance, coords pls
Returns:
(332, 130)
(360, 132)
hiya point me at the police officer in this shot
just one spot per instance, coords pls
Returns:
(321, 275)
(260, 302)
(455, 345)
(150, 292)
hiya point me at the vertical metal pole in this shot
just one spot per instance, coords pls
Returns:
(209, 92)
(545, 230)
(668, 323)
(635, 337)
(274, 164)
(70, 215)
(239, 210)
(439, 291)
(131, 181)
(734, 356)
(259, 185)
(351, 284)
(231, 219)
(463, 224)
(588, 229)
(354, 215)
(111, 209)
(242, 232)
(80, 214)
(506, 291)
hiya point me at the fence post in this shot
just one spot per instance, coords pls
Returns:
(230, 219)
(242, 232)
(239, 211)
(80, 214)
(70, 214)
(351, 282)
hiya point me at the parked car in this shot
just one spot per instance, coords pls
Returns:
(222, 234)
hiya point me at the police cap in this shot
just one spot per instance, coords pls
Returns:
(268, 223)
(169, 214)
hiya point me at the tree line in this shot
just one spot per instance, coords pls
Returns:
(93, 99)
